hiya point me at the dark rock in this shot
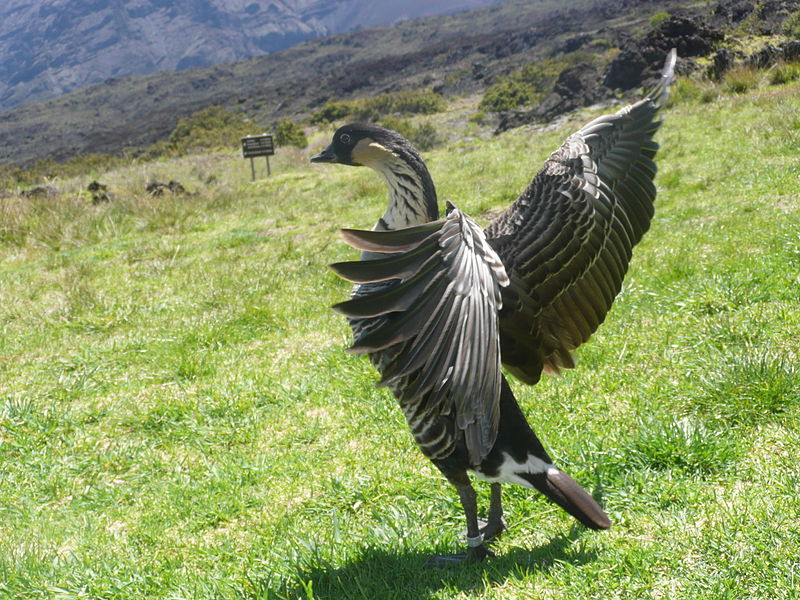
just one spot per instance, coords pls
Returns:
(791, 51)
(40, 191)
(723, 61)
(764, 17)
(157, 188)
(575, 43)
(766, 57)
(641, 60)
(575, 87)
(771, 55)
(99, 192)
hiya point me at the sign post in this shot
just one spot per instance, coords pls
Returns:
(258, 145)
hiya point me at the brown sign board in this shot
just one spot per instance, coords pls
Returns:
(258, 145)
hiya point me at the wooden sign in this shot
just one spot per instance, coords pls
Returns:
(258, 145)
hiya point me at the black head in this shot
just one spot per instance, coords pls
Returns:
(359, 144)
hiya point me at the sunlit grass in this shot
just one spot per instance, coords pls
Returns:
(178, 418)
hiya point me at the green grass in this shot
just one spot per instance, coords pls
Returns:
(178, 418)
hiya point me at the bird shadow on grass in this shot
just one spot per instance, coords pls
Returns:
(385, 573)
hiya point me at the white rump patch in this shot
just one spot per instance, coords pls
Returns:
(511, 470)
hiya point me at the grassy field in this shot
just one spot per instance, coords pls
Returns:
(178, 418)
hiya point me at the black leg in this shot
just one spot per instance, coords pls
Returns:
(496, 524)
(476, 550)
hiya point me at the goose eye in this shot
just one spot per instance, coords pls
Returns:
(345, 138)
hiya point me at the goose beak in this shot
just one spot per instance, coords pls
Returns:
(326, 156)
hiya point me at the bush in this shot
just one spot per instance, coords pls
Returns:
(406, 102)
(424, 136)
(791, 26)
(332, 111)
(212, 127)
(525, 86)
(506, 95)
(289, 133)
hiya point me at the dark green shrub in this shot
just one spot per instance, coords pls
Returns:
(374, 108)
(424, 136)
(405, 102)
(332, 111)
(212, 127)
(506, 95)
(526, 86)
(791, 26)
(289, 133)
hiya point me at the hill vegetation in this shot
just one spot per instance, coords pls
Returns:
(454, 55)
(178, 417)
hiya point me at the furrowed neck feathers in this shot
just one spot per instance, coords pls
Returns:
(412, 195)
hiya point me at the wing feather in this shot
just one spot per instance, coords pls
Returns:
(436, 327)
(567, 240)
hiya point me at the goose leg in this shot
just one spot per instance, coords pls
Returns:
(476, 550)
(496, 524)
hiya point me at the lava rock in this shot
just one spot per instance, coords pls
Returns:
(642, 60)
(40, 191)
(575, 87)
(157, 188)
(99, 192)
(723, 59)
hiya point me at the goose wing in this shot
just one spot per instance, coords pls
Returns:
(567, 240)
(438, 324)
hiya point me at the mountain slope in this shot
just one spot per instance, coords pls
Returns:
(49, 47)
(455, 54)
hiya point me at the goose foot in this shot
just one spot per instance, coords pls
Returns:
(476, 554)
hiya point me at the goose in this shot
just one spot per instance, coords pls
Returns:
(439, 304)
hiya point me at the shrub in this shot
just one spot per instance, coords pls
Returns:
(405, 102)
(506, 95)
(791, 26)
(373, 108)
(424, 136)
(211, 127)
(289, 133)
(332, 111)
(479, 118)
(525, 86)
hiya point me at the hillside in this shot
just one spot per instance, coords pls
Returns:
(456, 54)
(179, 417)
(50, 47)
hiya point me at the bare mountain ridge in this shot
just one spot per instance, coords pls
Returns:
(49, 47)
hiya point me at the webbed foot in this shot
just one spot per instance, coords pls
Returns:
(476, 554)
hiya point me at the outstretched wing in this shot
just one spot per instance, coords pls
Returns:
(438, 325)
(567, 240)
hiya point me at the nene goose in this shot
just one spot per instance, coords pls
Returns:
(439, 304)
